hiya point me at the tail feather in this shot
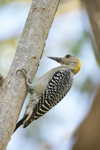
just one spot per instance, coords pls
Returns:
(29, 120)
(20, 122)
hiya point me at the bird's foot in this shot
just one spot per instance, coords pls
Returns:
(23, 71)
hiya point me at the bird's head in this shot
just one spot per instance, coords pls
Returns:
(71, 61)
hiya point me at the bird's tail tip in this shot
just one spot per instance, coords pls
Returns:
(20, 122)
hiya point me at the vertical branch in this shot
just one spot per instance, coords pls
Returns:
(28, 54)
(88, 133)
(93, 10)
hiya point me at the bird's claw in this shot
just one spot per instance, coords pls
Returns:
(24, 72)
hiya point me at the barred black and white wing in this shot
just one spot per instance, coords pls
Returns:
(57, 88)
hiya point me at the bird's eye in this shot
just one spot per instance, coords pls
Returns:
(68, 56)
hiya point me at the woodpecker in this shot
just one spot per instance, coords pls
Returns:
(50, 89)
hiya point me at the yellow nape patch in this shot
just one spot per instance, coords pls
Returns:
(30, 100)
(78, 67)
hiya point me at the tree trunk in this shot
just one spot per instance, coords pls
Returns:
(28, 54)
(93, 10)
(88, 133)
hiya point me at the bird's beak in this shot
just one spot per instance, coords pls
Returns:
(58, 59)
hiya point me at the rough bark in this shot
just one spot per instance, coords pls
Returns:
(1, 81)
(28, 54)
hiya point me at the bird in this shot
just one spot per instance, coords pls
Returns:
(49, 89)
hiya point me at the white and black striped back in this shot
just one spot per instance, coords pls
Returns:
(57, 88)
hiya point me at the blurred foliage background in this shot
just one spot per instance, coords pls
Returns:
(69, 33)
